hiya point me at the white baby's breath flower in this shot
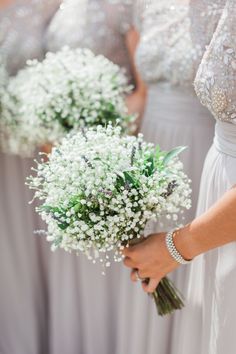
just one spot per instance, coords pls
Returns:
(99, 189)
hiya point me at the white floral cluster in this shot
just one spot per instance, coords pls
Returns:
(70, 89)
(12, 139)
(2, 86)
(99, 189)
(3, 74)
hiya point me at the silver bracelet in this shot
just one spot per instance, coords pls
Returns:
(172, 249)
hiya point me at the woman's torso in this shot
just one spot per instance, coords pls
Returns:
(166, 52)
(215, 82)
(168, 59)
(170, 50)
(99, 25)
(22, 28)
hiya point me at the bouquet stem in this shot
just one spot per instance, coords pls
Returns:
(167, 298)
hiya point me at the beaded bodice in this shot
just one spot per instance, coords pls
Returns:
(166, 51)
(215, 82)
(99, 25)
(22, 28)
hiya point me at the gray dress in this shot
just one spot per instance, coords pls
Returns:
(211, 281)
(168, 61)
(85, 306)
(98, 25)
(23, 295)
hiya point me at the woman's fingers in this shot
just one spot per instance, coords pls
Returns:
(133, 275)
(151, 285)
(130, 250)
(137, 274)
(128, 262)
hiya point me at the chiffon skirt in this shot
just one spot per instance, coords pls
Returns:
(23, 259)
(175, 117)
(91, 313)
(207, 325)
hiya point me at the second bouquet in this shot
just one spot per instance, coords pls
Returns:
(68, 90)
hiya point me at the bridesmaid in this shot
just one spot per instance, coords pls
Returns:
(23, 302)
(167, 61)
(106, 27)
(213, 232)
(84, 305)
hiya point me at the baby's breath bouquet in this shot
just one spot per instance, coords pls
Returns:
(99, 189)
(68, 90)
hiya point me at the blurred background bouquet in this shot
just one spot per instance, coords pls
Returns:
(69, 90)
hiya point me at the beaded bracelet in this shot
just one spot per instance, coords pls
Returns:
(172, 249)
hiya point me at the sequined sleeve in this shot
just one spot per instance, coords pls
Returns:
(215, 82)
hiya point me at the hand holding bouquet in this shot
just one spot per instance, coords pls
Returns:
(99, 189)
(69, 90)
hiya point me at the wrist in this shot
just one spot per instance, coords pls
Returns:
(186, 243)
(170, 245)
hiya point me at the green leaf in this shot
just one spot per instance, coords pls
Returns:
(158, 151)
(149, 164)
(129, 178)
(73, 202)
(57, 241)
(151, 167)
(50, 209)
(173, 153)
(77, 207)
(120, 182)
(63, 226)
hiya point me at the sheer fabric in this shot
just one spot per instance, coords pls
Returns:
(23, 256)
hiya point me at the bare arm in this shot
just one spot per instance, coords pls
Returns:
(215, 228)
(136, 101)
